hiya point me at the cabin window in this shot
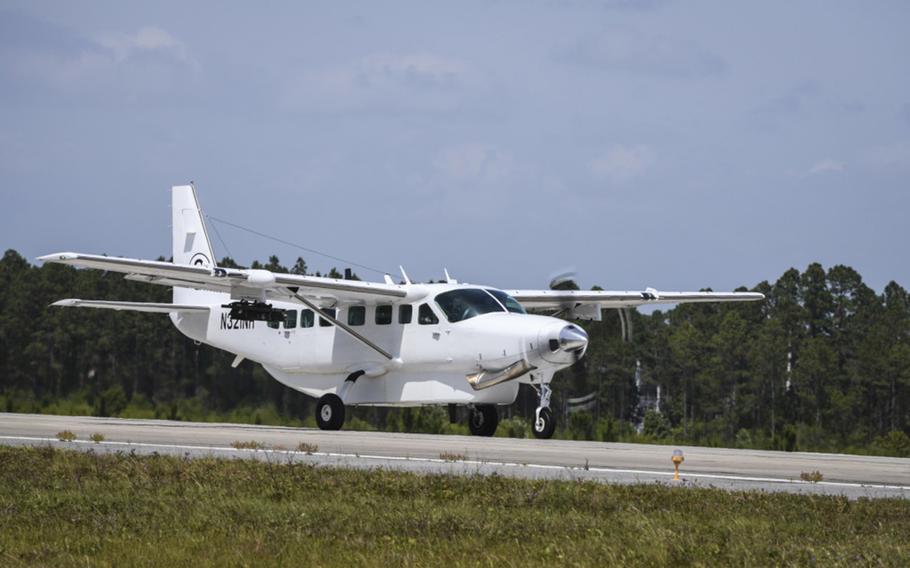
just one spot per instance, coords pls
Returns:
(290, 319)
(383, 315)
(324, 322)
(357, 315)
(466, 303)
(509, 302)
(306, 318)
(425, 315)
(404, 313)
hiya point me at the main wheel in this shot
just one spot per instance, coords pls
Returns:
(483, 420)
(330, 412)
(545, 425)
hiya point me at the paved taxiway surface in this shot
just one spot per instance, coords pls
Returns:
(853, 476)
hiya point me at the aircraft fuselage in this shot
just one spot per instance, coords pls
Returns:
(432, 357)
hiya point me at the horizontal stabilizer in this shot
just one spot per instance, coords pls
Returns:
(131, 306)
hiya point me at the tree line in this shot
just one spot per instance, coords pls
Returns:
(822, 364)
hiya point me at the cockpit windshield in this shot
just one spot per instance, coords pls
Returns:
(509, 302)
(466, 303)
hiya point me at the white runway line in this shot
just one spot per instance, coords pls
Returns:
(466, 462)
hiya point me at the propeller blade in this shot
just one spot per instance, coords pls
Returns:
(564, 280)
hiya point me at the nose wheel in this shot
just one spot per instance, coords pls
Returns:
(483, 420)
(544, 421)
(329, 412)
(545, 424)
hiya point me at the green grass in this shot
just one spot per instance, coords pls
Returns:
(64, 508)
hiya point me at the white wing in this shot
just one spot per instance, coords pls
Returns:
(238, 282)
(561, 299)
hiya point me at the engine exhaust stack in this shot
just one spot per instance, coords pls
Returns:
(486, 379)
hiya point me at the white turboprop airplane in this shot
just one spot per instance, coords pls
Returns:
(353, 343)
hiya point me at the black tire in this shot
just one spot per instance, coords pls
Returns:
(544, 427)
(483, 420)
(330, 412)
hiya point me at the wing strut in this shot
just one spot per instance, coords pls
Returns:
(343, 326)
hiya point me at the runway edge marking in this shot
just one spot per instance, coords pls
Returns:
(466, 462)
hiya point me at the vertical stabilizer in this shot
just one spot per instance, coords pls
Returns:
(191, 240)
(191, 244)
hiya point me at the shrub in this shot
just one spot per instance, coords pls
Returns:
(895, 443)
(812, 476)
(66, 436)
(656, 425)
(355, 423)
(247, 445)
(743, 438)
(607, 429)
(451, 457)
(96, 437)
(111, 402)
(581, 426)
(513, 428)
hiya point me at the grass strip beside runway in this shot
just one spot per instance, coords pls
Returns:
(60, 507)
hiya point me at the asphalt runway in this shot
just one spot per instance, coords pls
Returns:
(851, 476)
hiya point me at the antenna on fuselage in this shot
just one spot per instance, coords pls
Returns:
(449, 279)
(404, 275)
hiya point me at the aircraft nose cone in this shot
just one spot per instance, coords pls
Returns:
(572, 338)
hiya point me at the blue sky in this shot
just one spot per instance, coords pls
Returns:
(667, 144)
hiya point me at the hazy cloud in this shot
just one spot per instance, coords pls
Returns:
(888, 156)
(146, 40)
(621, 163)
(473, 162)
(638, 53)
(383, 81)
(146, 61)
(598, 115)
(791, 102)
(826, 166)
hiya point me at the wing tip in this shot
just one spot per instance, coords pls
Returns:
(58, 257)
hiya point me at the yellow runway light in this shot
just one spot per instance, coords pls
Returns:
(677, 458)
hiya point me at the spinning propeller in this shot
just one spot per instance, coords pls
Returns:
(567, 279)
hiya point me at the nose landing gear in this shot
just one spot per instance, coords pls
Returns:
(544, 421)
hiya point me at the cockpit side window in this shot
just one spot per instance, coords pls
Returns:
(425, 315)
(462, 304)
(509, 302)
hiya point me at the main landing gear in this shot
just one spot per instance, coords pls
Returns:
(544, 421)
(483, 420)
(330, 412)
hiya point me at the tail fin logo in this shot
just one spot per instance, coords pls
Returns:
(200, 259)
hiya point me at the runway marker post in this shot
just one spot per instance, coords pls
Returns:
(677, 459)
